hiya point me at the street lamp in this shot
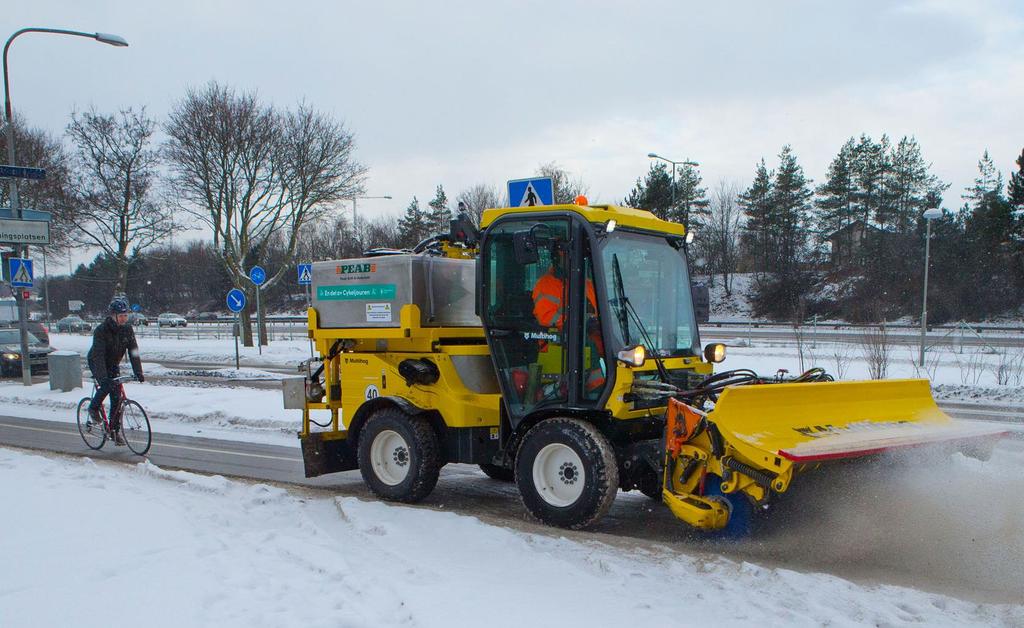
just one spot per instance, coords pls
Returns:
(674, 164)
(355, 216)
(106, 38)
(929, 215)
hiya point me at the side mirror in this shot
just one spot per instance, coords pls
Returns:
(524, 247)
(714, 352)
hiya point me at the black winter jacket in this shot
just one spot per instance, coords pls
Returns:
(109, 343)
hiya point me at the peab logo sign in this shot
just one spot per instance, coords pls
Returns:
(352, 269)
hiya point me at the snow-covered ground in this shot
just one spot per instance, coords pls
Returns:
(204, 350)
(99, 544)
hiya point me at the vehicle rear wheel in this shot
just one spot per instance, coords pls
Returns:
(93, 435)
(567, 473)
(496, 472)
(399, 456)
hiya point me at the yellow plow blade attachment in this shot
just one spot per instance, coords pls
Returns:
(827, 421)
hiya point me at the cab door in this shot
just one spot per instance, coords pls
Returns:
(526, 305)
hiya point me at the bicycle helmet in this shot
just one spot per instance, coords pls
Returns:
(119, 306)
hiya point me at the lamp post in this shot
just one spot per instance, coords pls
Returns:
(106, 38)
(355, 216)
(929, 215)
(674, 164)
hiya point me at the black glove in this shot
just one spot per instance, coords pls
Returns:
(140, 377)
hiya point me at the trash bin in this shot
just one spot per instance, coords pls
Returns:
(65, 370)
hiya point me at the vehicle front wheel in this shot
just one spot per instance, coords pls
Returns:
(567, 473)
(399, 456)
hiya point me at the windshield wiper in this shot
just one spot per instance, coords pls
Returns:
(620, 298)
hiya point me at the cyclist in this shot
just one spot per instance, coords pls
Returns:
(110, 340)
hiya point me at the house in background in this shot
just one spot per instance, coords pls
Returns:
(848, 242)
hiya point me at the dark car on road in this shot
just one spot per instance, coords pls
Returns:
(207, 316)
(137, 318)
(35, 328)
(10, 353)
(72, 324)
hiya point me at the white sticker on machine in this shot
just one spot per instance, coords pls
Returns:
(378, 312)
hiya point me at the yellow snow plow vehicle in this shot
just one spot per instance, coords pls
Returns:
(557, 348)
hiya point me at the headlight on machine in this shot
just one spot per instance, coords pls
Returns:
(714, 352)
(634, 356)
(12, 356)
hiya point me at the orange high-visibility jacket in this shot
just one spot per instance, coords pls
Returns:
(548, 299)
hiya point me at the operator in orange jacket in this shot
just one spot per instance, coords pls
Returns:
(549, 297)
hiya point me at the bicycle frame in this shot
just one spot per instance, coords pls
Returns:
(119, 410)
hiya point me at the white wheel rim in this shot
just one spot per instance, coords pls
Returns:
(558, 475)
(389, 455)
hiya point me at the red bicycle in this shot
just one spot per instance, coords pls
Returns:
(135, 427)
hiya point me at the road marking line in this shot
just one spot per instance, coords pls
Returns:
(155, 444)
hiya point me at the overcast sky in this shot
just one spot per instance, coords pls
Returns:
(464, 92)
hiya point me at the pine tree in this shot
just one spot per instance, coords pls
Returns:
(653, 193)
(871, 165)
(691, 207)
(414, 226)
(1015, 188)
(439, 215)
(837, 197)
(757, 204)
(791, 202)
(910, 188)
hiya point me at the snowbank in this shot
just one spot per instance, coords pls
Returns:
(100, 544)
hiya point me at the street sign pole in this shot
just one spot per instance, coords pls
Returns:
(238, 331)
(26, 364)
(236, 301)
(259, 322)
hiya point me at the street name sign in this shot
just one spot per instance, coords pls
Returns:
(26, 214)
(24, 231)
(21, 172)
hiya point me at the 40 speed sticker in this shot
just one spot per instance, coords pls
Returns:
(371, 392)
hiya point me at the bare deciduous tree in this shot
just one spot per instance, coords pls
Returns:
(114, 183)
(876, 345)
(478, 198)
(721, 237)
(567, 187)
(253, 174)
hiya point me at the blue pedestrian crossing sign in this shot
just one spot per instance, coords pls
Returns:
(305, 274)
(236, 300)
(531, 192)
(20, 272)
(257, 275)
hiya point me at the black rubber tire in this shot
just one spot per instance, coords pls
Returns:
(83, 428)
(424, 455)
(495, 472)
(140, 438)
(600, 469)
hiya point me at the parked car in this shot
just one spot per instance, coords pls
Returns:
(72, 324)
(10, 353)
(207, 316)
(137, 318)
(35, 328)
(170, 319)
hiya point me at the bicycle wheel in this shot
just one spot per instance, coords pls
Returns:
(135, 428)
(93, 435)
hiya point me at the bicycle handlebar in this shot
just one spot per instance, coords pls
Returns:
(125, 378)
